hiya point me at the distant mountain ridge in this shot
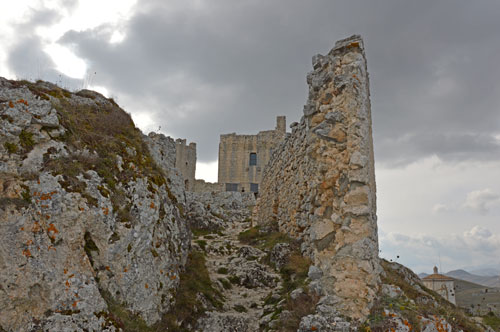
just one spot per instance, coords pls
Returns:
(477, 279)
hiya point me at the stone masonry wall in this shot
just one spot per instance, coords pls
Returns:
(176, 154)
(185, 161)
(319, 185)
(234, 155)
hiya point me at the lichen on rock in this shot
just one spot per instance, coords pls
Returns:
(97, 223)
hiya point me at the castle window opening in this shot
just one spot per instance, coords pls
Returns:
(253, 159)
(231, 187)
(254, 187)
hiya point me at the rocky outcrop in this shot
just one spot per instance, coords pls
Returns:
(215, 210)
(90, 225)
(319, 185)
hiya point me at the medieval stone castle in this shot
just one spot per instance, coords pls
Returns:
(242, 159)
(317, 182)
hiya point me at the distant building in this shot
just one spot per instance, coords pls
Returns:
(242, 157)
(441, 284)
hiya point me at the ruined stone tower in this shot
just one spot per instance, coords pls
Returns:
(242, 157)
(319, 185)
(185, 161)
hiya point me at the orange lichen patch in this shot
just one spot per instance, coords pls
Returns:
(82, 209)
(30, 242)
(107, 268)
(44, 197)
(47, 217)
(51, 247)
(125, 269)
(67, 283)
(11, 104)
(27, 253)
(71, 276)
(22, 228)
(52, 229)
(173, 277)
(314, 328)
(22, 101)
(408, 324)
(74, 304)
(353, 44)
(152, 205)
(44, 206)
(105, 211)
(36, 227)
(146, 286)
(161, 271)
(65, 271)
(38, 181)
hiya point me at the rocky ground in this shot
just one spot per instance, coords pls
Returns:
(238, 273)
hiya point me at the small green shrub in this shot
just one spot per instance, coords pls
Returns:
(26, 195)
(194, 280)
(202, 244)
(235, 280)
(492, 321)
(10, 147)
(225, 283)
(267, 240)
(119, 316)
(222, 270)
(26, 140)
(240, 308)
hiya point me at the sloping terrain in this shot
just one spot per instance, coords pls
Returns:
(477, 298)
(487, 281)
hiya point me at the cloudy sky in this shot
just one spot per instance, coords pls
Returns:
(199, 68)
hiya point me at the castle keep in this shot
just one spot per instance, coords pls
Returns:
(242, 157)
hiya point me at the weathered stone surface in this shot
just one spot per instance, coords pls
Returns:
(215, 210)
(65, 247)
(319, 185)
(279, 255)
(222, 322)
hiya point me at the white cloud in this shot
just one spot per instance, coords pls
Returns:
(66, 61)
(207, 171)
(482, 200)
(440, 208)
(420, 252)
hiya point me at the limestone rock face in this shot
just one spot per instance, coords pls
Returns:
(319, 185)
(86, 217)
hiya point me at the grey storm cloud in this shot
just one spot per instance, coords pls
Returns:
(27, 58)
(232, 66)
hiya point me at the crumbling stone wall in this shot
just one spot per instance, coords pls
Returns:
(201, 186)
(234, 156)
(319, 185)
(185, 161)
(175, 154)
